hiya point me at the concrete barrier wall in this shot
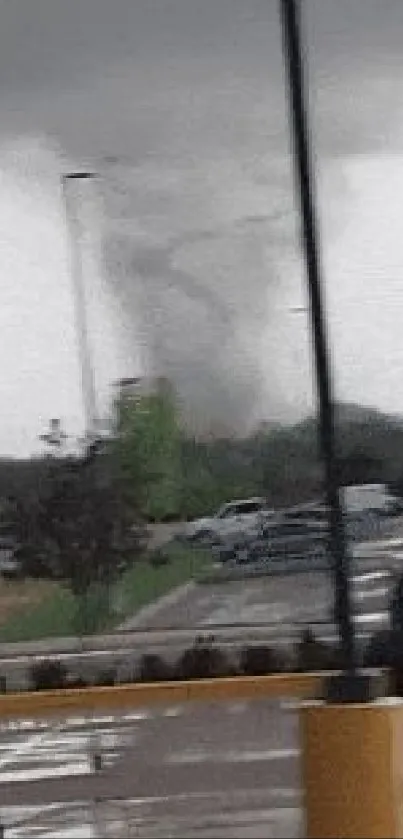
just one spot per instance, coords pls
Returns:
(62, 702)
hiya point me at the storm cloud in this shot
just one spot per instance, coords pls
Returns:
(192, 256)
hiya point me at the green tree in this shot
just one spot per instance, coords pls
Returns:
(148, 447)
(77, 529)
(215, 471)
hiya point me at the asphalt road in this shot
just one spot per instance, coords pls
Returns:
(278, 600)
(283, 599)
(205, 770)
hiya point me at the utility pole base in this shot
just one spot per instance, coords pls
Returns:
(356, 686)
(352, 765)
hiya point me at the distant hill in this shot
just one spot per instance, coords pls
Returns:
(350, 412)
(369, 449)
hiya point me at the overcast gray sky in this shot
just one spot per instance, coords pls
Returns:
(191, 263)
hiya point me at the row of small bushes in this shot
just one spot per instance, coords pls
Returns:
(203, 660)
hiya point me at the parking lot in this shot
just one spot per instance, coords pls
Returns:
(274, 600)
(203, 769)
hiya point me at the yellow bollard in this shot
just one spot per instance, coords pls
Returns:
(352, 766)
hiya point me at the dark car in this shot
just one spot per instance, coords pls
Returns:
(278, 540)
(293, 536)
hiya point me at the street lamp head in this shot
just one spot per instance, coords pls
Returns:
(79, 176)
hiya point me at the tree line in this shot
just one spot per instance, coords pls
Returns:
(81, 519)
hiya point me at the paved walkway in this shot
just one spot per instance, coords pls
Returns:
(205, 770)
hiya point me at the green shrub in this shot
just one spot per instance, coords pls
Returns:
(48, 675)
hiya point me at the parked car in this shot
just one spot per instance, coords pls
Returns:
(306, 512)
(364, 514)
(278, 538)
(290, 537)
(299, 533)
(235, 517)
(10, 566)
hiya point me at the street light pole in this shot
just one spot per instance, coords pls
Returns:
(87, 372)
(290, 17)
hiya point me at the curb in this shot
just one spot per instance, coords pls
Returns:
(61, 702)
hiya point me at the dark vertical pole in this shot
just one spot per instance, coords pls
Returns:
(290, 17)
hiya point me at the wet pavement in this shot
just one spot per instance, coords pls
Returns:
(222, 770)
(289, 599)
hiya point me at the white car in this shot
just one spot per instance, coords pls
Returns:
(235, 517)
(9, 564)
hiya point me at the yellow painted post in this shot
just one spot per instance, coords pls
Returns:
(352, 767)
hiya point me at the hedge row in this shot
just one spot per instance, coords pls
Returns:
(205, 659)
